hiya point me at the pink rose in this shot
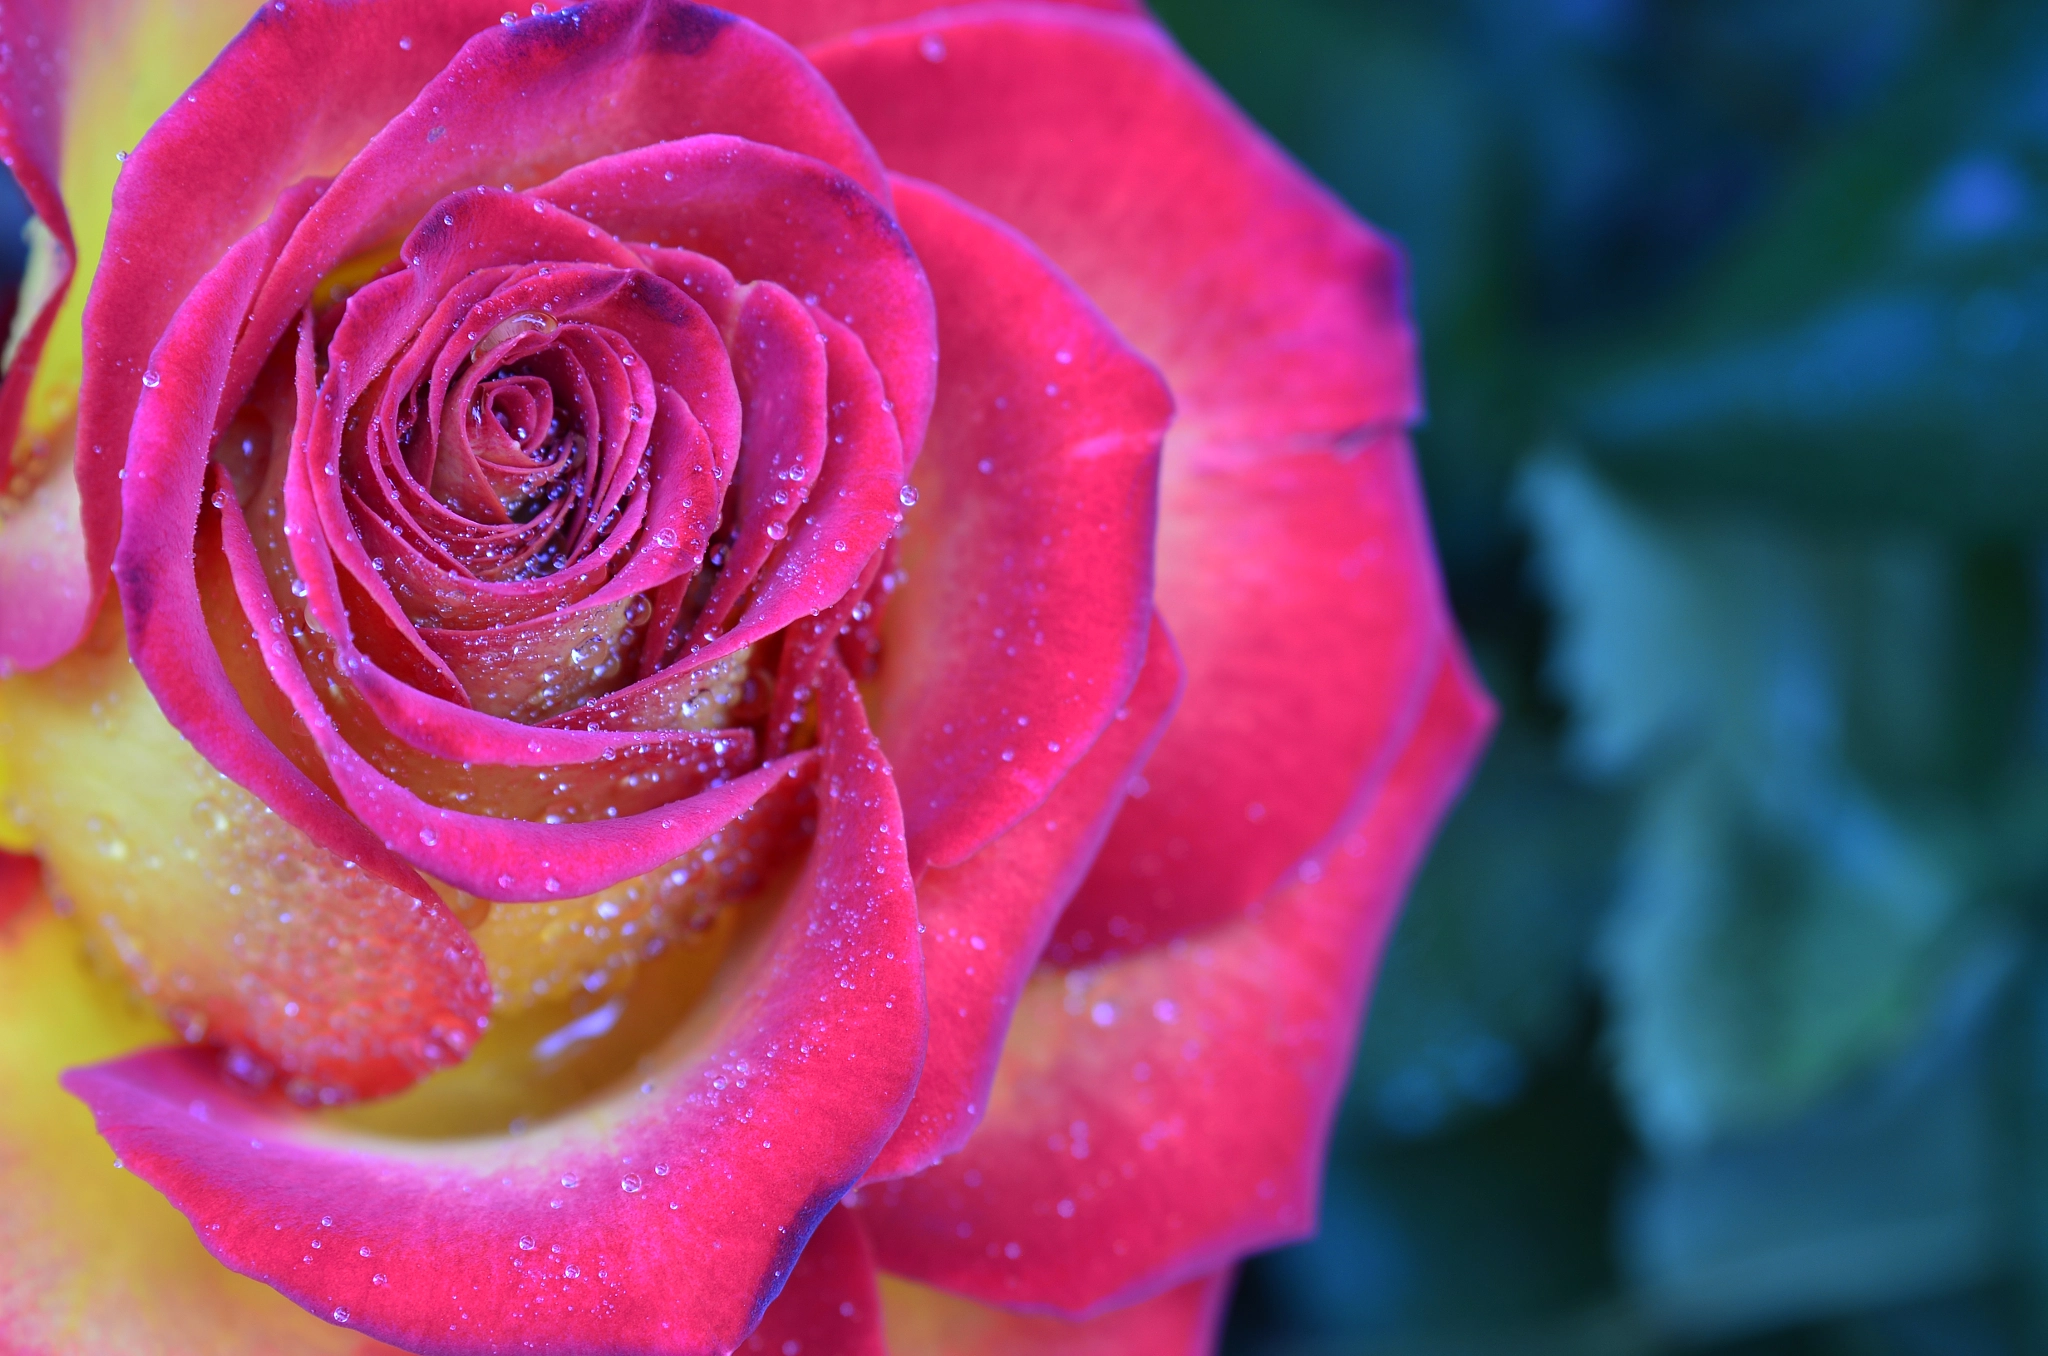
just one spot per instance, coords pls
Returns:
(797, 647)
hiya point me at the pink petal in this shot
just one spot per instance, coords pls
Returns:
(1028, 556)
(986, 920)
(1293, 564)
(469, 101)
(680, 1211)
(829, 1307)
(44, 593)
(1185, 1321)
(1159, 1116)
(808, 21)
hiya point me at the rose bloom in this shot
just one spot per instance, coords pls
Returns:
(684, 682)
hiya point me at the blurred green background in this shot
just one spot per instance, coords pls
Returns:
(1718, 1021)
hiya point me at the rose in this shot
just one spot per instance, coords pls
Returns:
(499, 435)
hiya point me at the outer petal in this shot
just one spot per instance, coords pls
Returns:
(1156, 1117)
(79, 81)
(1028, 558)
(227, 918)
(986, 920)
(660, 1221)
(808, 21)
(829, 1306)
(925, 1322)
(97, 1263)
(1293, 559)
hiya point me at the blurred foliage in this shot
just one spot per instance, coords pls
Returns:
(1718, 1021)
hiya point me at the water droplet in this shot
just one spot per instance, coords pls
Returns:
(405, 44)
(526, 1243)
(839, 546)
(379, 1279)
(152, 380)
(570, 1179)
(508, 18)
(630, 1183)
(932, 47)
(776, 531)
(300, 588)
(429, 837)
(666, 539)
(341, 1315)
(908, 496)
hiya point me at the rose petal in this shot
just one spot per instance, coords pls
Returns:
(1273, 311)
(167, 632)
(223, 916)
(779, 363)
(21, 884)
(923, 1322)
(1302, 588)
(829, 1306)
(409, 124)
(809, 21)
(680, 1210)
(1028, 556)
(1293, 563)
(1156, 1117)
(987, 919)
(778, 214)
(101, 1265)
(82, 81)
(492, 858)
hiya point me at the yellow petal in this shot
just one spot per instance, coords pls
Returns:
(129, 60)
(98, 1263)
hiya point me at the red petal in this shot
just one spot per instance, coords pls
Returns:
(987, 919)
(1029, 556)
(1293, 563)
(808, 21)
(167, 631)
(925, 1322)
(499, 110)
(829, 1307)
(1155, 1118)
(21, 884)
(1302, 589)
(216, 163)
(765, 213)
(690, 1203)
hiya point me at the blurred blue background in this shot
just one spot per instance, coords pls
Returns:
(1718, 1022)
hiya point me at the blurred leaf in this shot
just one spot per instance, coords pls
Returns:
(1757, 965)
(1890, 1195)
(1780, 928)
(1872, 349)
